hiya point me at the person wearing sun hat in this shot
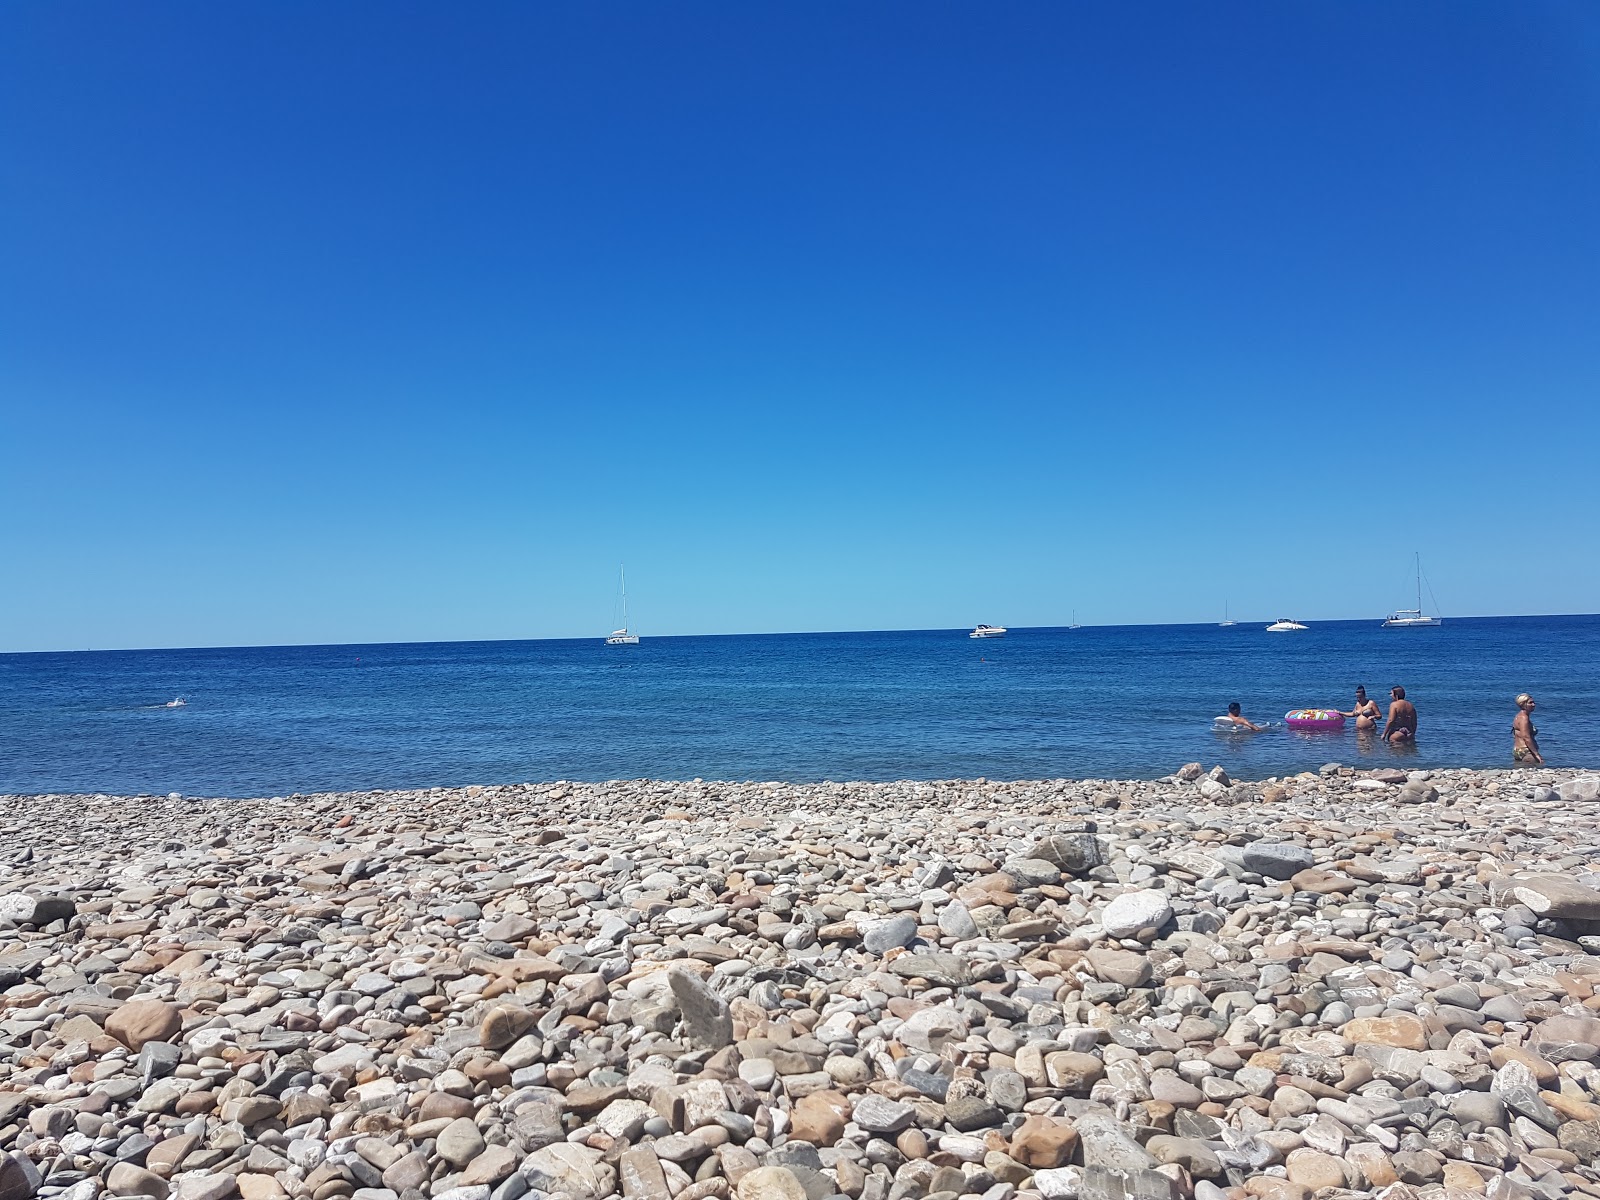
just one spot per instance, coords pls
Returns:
(1524, 737)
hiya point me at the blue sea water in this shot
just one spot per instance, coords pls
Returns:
(1126, 701)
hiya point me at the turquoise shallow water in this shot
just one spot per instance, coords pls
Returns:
(1101, 702)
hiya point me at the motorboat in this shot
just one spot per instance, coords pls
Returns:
(1413, 618)
(621, 637)
(1286, 626)
(986, 631)
(180, 702)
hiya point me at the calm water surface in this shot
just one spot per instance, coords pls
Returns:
(1099, 702)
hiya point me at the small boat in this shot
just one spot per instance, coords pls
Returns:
(1409, 618)
(1074, 624)
(983, 631)
(1284, 625)
(1226, 622)
(180, 702)
(621, 637)
(1412, 618)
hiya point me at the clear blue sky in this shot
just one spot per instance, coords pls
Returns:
(379, 321)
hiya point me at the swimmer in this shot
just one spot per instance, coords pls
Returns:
(1366, 711)
(1402, 718)
(1524, 737)
(1236, 719)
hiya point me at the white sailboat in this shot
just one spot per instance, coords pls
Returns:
(1226, 622)
(1412, 618)
(1074, 624)
(621, 637)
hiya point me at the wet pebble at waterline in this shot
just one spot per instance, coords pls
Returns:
(1339, 982)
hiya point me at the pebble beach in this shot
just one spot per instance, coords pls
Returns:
(1340, 983)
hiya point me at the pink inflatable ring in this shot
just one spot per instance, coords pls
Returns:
(1313, 718)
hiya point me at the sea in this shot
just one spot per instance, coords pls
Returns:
(1094, 702)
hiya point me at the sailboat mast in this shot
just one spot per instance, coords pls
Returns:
(622, 572)
(1419, 583)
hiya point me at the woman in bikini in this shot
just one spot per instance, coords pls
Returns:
(1366, 712)
(1524, 737)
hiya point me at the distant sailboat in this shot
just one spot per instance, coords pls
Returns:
(1226, 622)
(1413, 618)
(1074, 624)
(621, 637)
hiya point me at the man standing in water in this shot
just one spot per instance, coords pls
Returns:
(1524, 737)
(1402, 718)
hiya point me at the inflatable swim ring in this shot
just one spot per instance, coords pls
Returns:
(1313, 718)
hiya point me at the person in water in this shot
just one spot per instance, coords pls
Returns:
(1233, 716)
(1524, 737)
(1366, 711)
(1402, 718)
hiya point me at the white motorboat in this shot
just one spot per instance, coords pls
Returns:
(1412, 618)
(621, 637)
(1286, 626)
(983, 631)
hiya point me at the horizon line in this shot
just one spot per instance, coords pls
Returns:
(754, 633)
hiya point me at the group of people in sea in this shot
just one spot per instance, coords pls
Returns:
(1401, 722)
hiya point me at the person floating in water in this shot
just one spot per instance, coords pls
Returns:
(1236, 719)
(1402, 718)
(1524, 737)
(1366, 712)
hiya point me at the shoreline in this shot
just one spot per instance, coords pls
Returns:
(1034, 990)
(1061, 788)
(1065, 788)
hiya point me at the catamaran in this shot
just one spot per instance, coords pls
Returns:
(621, 637)
(1412, 618)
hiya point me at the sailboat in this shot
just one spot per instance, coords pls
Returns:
(1412, 618)
(1226, 622)
(621, 637)
(1074, 624)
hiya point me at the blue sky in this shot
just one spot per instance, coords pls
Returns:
(377, 322)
